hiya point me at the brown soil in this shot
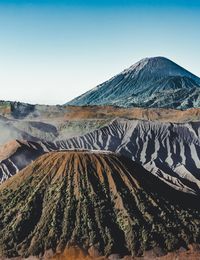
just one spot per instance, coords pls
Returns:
(99, 200)
(158, 114)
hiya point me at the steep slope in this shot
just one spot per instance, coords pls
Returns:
(151, 82)
(15, 155)
(92, 199)
(169, 151)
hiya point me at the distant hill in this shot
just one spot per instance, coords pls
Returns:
(50, 123)
(151, 82)
(100, 201)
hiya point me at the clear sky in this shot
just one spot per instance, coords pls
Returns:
(52, 51)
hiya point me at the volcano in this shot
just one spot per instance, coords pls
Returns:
(169, 151)
(92, 199)
(152, 82)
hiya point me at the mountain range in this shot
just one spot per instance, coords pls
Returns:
(113, 174)
(151, 82)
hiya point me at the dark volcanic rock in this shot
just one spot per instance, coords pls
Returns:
(151, 82)
(20, 110)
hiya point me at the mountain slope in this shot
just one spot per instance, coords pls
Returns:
(15, 155)
(92, 199)
(169, 151)
(151, 82)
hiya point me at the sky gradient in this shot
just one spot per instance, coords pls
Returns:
(53, 51)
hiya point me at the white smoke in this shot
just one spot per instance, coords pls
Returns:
(7, 133)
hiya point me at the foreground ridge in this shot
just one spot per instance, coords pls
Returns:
(92, 199)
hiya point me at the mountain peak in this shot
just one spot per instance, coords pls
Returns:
(151, 82)
(155, 59)
(158, 65)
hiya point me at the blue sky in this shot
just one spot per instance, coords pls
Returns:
(52, 51)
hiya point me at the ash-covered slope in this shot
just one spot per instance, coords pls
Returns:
(92, 199)
(169, 151)
(15, 155)
(151, 82)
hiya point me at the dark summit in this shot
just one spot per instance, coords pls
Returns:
(151, 82)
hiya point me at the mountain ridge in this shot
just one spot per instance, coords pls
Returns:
(169, 151)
